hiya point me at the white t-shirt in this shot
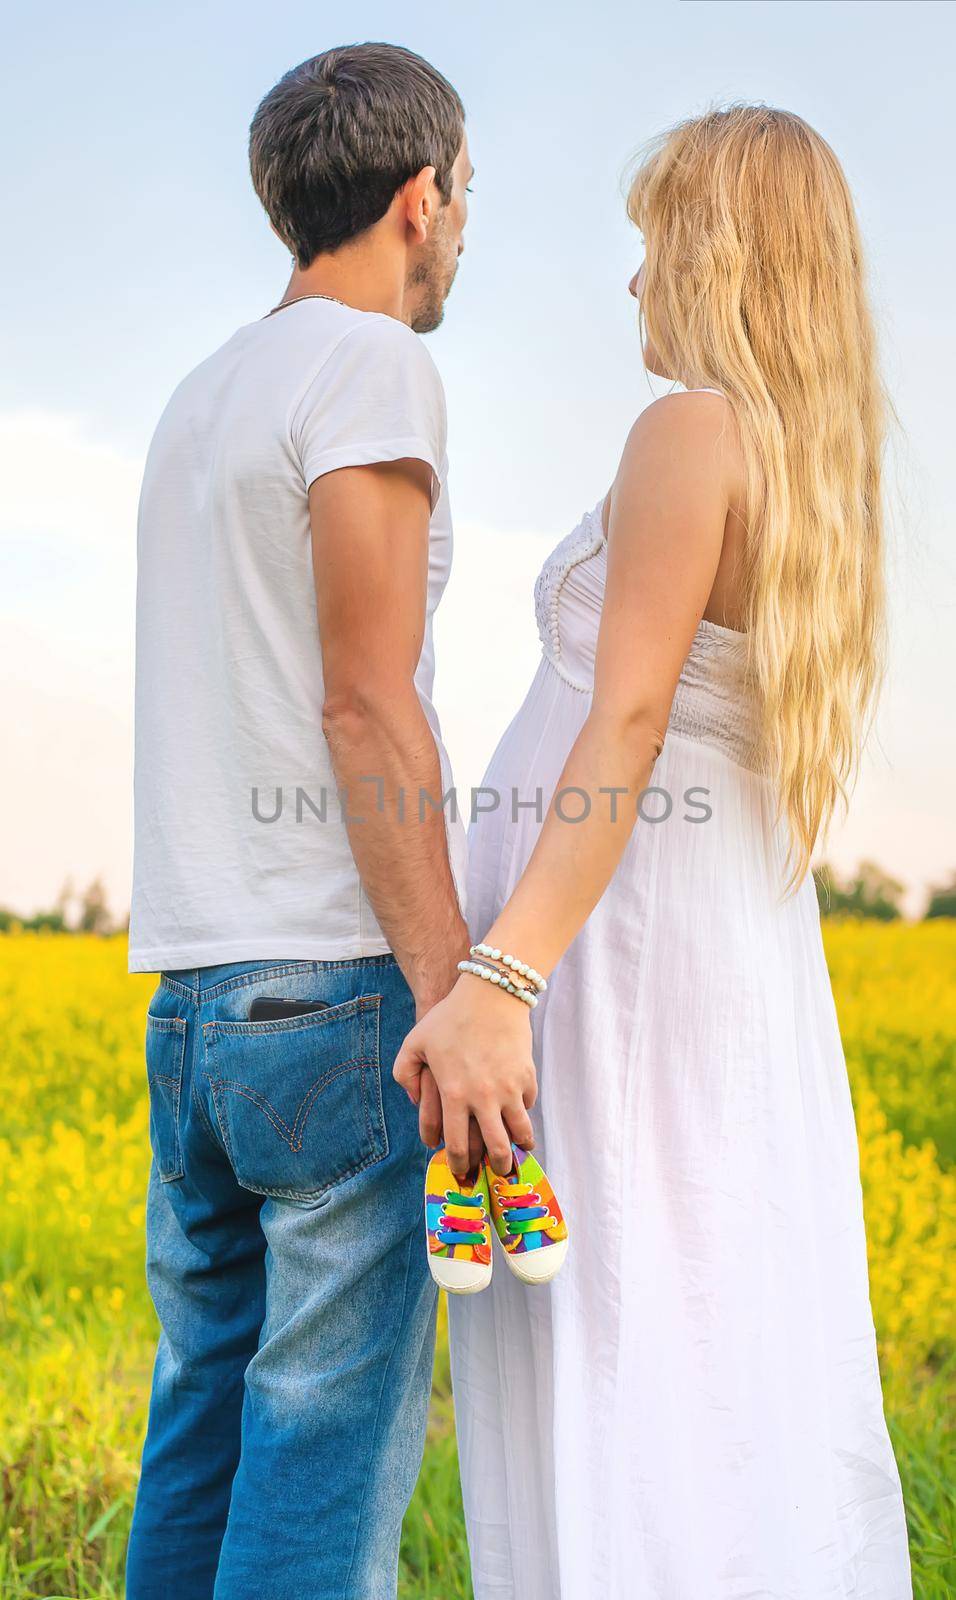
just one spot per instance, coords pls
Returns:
(228, 666)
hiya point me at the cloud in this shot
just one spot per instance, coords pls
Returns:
(67, 551)
(68, 555)
(60, 481)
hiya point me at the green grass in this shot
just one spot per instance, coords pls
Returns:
(924, 1441)
(434, 1551)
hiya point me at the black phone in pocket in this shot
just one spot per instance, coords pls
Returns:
(266, 1008)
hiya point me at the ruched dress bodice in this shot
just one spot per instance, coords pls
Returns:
(712, 702)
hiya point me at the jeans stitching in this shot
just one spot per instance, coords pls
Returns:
(377, 1153)
(223, 1133)
(275, 1193)
(174, 1027)
(378, 1084)
(201, 1109)
(348, 964)
(177, 987)
(315, 1194)
(260, 974)
(365, 1110)
(239, 1029)
(268, 1109)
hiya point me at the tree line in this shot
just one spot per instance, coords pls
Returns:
(869, 892)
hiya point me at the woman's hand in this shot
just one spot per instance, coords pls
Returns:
(476, 1043)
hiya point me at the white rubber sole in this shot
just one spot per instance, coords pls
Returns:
(459, 1277)
(538, 1266)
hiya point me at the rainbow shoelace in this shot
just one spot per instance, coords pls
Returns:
(522, 1209)
(461, 1230)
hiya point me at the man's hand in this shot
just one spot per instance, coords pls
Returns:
(430, 1121)
(476, 1047)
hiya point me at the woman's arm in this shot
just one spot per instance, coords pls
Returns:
(668, 508)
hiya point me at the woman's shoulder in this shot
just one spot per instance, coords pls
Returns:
(687, 413)
(696, 428)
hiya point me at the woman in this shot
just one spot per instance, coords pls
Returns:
(692, 1410)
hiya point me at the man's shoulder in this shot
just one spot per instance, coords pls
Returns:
(377, 337)
(309, 339)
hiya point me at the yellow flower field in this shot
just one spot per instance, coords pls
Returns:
(77, 1326)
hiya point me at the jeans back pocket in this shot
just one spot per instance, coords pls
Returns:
(299, 1100)
(165, 1054)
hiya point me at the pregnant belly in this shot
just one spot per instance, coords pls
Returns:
(517, 789)
(535, 746)
(704, 818)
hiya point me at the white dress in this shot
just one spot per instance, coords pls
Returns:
(692, 1410)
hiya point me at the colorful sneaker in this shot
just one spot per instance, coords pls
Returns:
(527, 1219)
(457, 1228)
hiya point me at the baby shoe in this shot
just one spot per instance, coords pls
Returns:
(457, 1227)
(527, 1219)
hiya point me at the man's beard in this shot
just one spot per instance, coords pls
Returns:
(432, 279)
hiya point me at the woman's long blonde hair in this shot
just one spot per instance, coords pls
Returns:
(754, 285)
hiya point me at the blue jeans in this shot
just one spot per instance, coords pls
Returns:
(286, 1260)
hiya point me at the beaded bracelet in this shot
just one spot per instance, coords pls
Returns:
(516, 966)
(491, 975)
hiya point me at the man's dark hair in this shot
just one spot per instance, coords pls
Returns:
(337, 137)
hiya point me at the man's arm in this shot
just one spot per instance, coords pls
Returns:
(370, 556)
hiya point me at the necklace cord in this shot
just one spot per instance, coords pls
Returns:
(295, 301)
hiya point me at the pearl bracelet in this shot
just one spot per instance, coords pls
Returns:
(517, 966)
(490, 975)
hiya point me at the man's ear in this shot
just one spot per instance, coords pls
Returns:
(421, 198)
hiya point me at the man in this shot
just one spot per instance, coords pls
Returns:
(294, 541)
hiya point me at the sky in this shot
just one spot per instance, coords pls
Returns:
(137, 247)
